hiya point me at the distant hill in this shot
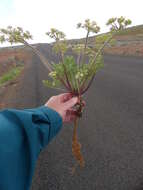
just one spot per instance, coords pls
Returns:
(131, 34)
(128, 42)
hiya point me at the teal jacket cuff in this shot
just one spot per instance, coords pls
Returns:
(55, 120)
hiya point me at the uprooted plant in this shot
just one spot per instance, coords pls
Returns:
(74, 74)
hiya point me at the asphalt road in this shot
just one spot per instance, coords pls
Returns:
(111, 130)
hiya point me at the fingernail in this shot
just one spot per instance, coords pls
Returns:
(75, 99)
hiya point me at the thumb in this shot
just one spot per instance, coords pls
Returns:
(70, 103)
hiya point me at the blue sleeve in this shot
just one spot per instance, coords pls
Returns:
(23, 134)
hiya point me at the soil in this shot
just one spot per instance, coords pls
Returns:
(9, 92)
(131, 49)
(8, 59)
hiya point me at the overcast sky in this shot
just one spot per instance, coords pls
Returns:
(38, 16)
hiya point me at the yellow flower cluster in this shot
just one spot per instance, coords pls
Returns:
(53, 74)
(79, 75)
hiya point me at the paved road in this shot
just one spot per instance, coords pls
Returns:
(111, 131)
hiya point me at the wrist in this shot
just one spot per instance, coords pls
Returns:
(55, 110)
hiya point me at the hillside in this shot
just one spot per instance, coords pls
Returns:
(11, 57)
(128, 42)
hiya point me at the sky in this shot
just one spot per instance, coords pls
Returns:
(38, 16)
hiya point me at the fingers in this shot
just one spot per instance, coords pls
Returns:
(65, 97)
(71, 112)
(70, 103)
(70, 116)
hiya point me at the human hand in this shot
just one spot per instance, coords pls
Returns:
(63, 104)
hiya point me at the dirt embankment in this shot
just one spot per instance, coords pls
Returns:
(127, 45)
(10, 58)
(127, 42)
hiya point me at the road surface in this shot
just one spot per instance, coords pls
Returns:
(111, 130)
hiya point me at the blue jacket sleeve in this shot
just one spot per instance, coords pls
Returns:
(23, 134)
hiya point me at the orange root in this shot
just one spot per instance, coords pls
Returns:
(76, 147)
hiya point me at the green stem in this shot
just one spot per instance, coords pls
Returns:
(78, 59)
(77, 84)
(65, 72)
(72, 81)
(45, 62)
(40, 55)
(85, 46)
(83, 90)
(93, 61)
(101, 49)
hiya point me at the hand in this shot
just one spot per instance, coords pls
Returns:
(63, 104)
